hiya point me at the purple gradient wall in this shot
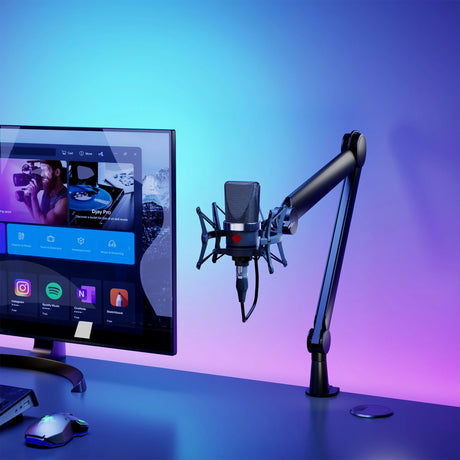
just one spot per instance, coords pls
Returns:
(264, 91)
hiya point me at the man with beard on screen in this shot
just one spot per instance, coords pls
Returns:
(53, 207)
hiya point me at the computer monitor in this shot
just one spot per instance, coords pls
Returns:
(87, 236)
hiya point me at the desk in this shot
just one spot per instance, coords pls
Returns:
(137, 413)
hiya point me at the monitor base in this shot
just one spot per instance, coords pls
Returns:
(53, 363)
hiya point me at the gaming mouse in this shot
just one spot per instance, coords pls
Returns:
(55, 430)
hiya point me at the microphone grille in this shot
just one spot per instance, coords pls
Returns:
(242, 202)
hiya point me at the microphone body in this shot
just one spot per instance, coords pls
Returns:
(241, 226)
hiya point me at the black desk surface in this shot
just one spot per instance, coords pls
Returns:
(138, 412)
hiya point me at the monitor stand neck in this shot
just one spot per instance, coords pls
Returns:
(47, 356)
(49, 349)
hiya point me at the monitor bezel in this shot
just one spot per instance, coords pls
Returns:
(158, 341)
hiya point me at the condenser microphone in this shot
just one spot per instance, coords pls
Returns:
(246, 236)
(241, 226)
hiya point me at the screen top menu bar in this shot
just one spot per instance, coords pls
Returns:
(72, 152)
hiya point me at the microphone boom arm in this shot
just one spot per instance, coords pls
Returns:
(345, 167)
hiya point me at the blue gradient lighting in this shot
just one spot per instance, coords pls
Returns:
(264, 91)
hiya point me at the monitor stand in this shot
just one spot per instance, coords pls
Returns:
(47, 356)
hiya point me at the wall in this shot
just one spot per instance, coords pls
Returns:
(264, 90)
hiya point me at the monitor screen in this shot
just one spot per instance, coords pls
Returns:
(87, 236)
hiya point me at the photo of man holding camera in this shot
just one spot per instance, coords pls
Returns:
(52, 208)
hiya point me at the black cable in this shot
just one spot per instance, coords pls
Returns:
(256, 293)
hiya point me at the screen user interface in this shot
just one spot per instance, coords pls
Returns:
(87, 236)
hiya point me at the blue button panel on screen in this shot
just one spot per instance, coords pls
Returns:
(2, 239)
(71, 243)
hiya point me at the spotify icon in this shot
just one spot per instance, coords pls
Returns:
(53, 291)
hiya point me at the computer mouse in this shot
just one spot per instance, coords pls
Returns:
(55, 430)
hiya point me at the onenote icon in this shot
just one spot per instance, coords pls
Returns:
(53, 291)
(118, 297)
(87, 294)
(22, 288)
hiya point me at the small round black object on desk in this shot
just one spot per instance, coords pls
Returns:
(371, 411)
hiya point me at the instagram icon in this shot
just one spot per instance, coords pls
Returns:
(22, 288)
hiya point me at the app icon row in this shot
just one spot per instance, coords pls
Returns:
(55, 297)
(86, 294)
